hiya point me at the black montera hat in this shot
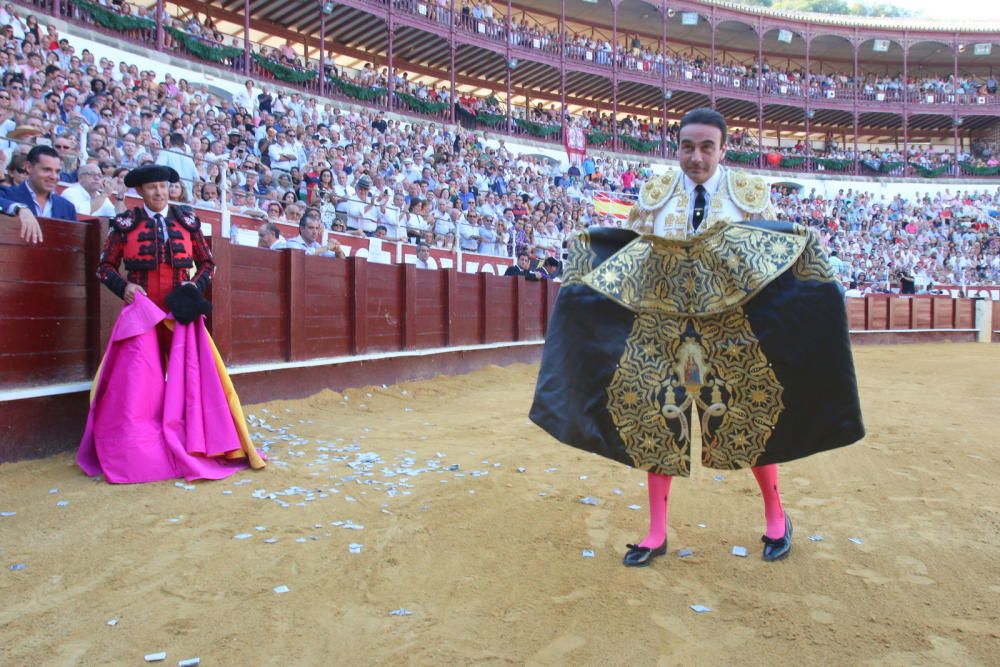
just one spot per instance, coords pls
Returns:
(151, 173)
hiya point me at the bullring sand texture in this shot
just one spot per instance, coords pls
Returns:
(489, 560)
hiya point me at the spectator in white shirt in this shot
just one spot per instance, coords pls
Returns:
(442, 219)
(469, 233)
(391, 217)
(91, 195)
(310, 231)
(269, 237)
(177, 158)
(283, 153)
(360, 210)
(424, 259)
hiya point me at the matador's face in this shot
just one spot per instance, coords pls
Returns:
(701, 147)
(155, 195)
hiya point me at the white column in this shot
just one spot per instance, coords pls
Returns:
(984, 320)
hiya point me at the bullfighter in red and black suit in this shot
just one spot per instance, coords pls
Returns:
(163, 405)
(159, 244)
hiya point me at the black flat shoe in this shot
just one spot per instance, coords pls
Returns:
(641, 556)
(778, 548)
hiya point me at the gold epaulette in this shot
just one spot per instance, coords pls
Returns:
(749, 191)
(657, 190)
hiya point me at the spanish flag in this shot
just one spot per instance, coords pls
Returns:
(606, 203)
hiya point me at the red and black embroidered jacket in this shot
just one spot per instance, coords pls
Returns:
(133, 238)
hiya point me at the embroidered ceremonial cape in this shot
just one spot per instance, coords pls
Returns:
(745, 322)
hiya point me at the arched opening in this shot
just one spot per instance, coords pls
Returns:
(979, 71)
(735, 56)
(831, 68)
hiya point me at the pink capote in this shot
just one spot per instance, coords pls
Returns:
(145, 428)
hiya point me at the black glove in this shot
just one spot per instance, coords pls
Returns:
(186, 303)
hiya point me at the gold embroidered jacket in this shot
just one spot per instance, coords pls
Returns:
(663, 206)
(744, 322)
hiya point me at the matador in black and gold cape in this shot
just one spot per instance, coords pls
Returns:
(744, 321)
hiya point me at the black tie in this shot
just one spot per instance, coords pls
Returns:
(699, 206)
(161, 228)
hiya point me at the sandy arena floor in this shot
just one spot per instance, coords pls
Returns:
(489, 559)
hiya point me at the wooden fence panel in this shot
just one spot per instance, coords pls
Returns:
(430, 315)
(385, 307)
(259, 298)
(327, 288)
(44, 304)
(467, 315)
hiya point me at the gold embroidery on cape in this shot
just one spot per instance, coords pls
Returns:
(750, 192)
(671, 364)
(713, 272)
(813, 263)
(579, 260)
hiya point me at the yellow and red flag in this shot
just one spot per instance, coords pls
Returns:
(609, 203)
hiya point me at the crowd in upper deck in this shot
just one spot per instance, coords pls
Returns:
(274, 156)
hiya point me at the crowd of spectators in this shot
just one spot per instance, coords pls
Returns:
(285, 158)
(946, 237)
(634, 53)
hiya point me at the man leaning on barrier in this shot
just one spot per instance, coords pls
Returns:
(31, 231)
(310, 232)
(38, 191)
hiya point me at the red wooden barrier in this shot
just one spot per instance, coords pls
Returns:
(276, 306)
(272, 307)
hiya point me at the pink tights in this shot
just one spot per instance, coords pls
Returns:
(659, 494)
(767, 480)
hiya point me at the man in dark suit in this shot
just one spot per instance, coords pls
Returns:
(522, 268)
(550, 269)
(38, 191)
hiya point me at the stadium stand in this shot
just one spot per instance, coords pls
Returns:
(398, 170)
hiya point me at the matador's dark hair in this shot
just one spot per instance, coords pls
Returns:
(705, 116)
